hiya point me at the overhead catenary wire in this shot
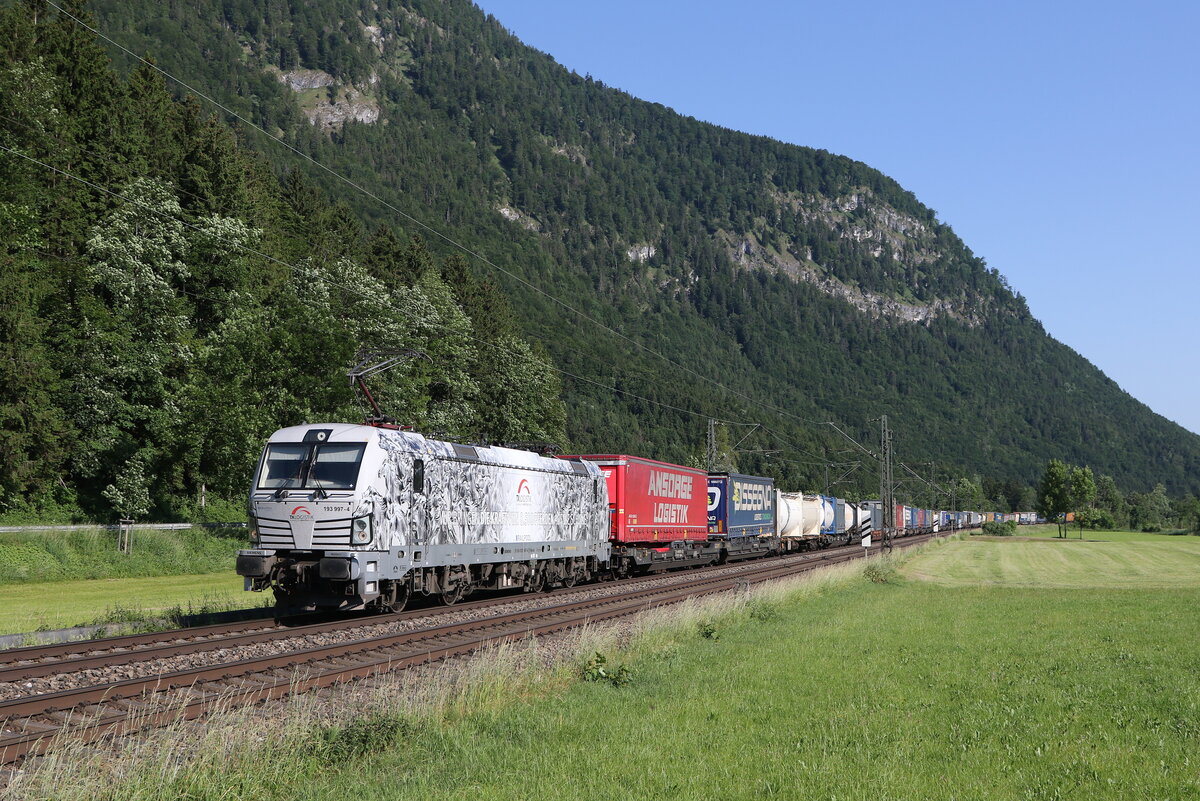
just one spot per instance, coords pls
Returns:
(124, 165)
(425, 226)
(313, 273)
(940, 489)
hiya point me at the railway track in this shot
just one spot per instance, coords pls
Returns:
(18, 664)
(29, 724)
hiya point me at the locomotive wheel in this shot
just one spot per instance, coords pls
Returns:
(537, 582)
(458, 585)
(397, 599)
(452, 596)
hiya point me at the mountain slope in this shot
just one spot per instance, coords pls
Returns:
(803, 281)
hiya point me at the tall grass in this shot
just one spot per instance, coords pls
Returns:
(276, 750)
(92, 554)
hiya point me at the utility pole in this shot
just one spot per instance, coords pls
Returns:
(887, 496)
(712, 445)
(953, 504)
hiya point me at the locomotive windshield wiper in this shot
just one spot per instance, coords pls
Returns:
(312, 476)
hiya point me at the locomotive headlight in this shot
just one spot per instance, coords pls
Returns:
(360, 530)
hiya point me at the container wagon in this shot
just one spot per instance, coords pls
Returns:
(798, 520)
(741, 515)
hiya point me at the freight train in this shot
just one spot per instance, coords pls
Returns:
(349, 517)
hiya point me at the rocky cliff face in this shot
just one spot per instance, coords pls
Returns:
(866, 220)
(749, 253)
(326, 103)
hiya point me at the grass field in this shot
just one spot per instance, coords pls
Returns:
(62, 604)
(909, 689)
(1163, 561)
(1050, 531)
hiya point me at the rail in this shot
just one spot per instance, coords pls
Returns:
(30, 724)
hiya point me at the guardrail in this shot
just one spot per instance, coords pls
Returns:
(115, 526)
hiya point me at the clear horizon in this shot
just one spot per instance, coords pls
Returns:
(1059, 142)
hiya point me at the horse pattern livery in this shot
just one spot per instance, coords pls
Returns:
(472, 495)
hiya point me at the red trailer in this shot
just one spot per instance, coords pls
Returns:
(659, 512)
(653, 502)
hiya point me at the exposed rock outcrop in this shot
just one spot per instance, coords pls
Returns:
(338, 105)
(861, 217)
(520, 218)
(749, 253)
(641, 253)
(298, 80)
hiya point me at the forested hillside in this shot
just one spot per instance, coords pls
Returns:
(168, 301)
(222, 287)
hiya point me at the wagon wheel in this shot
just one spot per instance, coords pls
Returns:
(569, 577)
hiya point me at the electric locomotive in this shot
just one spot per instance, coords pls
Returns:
(365, 516)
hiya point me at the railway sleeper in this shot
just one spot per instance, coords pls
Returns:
(33, 727)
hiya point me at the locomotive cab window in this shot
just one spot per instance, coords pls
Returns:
(418, 475)
(327, 466)
(335, 465)
(283, 467)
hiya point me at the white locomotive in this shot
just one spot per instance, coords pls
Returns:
(364, 516)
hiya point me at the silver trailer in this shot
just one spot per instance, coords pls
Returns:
(361, 516)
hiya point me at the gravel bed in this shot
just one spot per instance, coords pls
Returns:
(372, 627)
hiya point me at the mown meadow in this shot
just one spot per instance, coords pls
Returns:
(910, 680)
(56, 579)
(139, 602)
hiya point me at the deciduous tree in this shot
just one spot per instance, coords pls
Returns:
(1083, 496)
(1054, 493)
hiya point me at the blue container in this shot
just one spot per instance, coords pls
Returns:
(828, 515)
(740, 506)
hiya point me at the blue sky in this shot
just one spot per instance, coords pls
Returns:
(1061, 140)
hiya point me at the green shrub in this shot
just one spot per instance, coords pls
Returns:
(999, 528)
(763, 611)
(359, 738)
(879, 571)
(597, 669)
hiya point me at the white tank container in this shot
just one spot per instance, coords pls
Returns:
(798, 515)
